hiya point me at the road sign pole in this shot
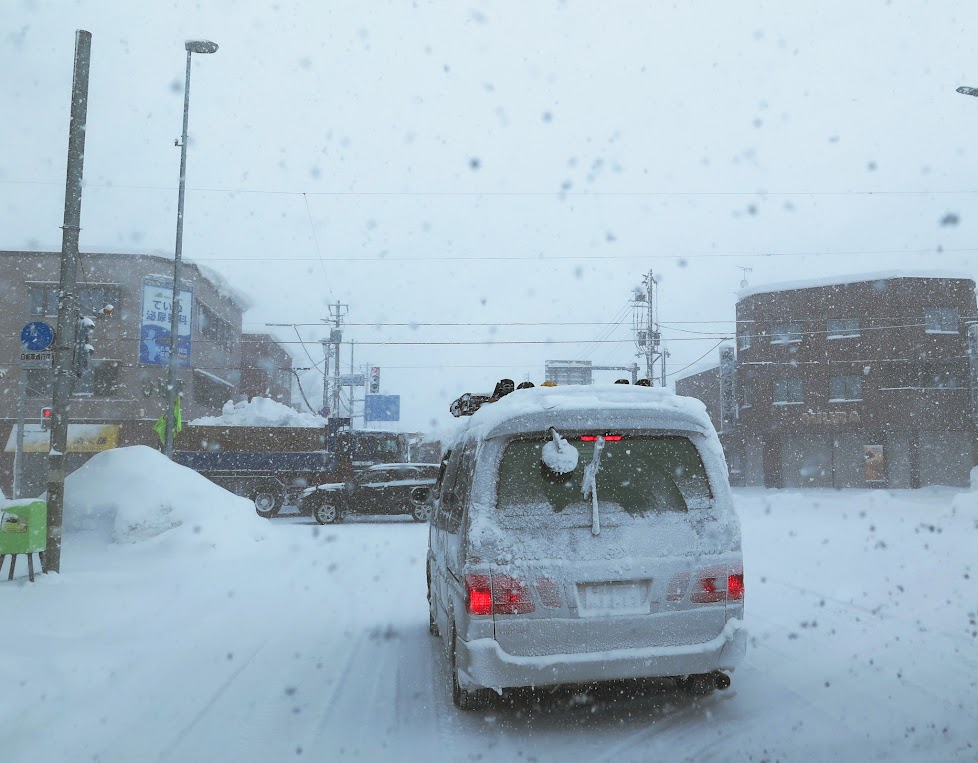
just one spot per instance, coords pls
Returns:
(21, 416)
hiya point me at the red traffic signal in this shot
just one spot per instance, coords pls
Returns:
(46, 414)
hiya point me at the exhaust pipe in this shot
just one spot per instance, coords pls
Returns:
(722, 680)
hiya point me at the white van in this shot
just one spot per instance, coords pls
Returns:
(584, 534)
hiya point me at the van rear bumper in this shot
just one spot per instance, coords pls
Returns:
(482, 663)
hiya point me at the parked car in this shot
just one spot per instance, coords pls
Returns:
(584, 534)
(381, 489)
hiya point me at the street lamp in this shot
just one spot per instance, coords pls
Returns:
(192, 46)
(967, 90)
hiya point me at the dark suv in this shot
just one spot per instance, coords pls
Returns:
(381, 489)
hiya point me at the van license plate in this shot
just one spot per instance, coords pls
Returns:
(613, 598)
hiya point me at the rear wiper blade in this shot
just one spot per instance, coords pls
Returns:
(590, 484)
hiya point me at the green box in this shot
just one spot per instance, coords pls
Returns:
(24, 528)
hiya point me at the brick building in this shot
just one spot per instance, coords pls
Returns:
(116, 401)
(864, 381)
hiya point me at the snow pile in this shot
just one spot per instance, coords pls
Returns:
(134, 494)
(559, 456)
(260, 412)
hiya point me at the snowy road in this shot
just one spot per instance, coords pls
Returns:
(313, 644)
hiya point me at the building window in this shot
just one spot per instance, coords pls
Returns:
(42, 299)
(941, 320)
(841, 328)
(943, 376)
(743, 341)
(213, 328)
(845, 389)
(785, 333)
(788, 391)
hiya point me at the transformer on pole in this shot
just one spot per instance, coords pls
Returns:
(645, 324)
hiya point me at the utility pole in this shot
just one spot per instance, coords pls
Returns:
(336, 314)
(65, 335)
(326, 351)
(645, 323)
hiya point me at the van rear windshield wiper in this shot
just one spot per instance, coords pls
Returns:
(590, 484)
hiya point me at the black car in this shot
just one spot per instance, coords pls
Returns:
(381, 489)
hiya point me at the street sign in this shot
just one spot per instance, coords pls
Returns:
(353, 380)
(382, 408)
(37, 359)
(36, 336)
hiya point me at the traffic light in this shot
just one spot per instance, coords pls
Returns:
(83, 344)
(374, 380)
(46, 413)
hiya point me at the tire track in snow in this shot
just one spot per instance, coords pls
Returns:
(208, 704)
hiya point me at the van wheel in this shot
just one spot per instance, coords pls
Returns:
(432, 625)
(464, 699)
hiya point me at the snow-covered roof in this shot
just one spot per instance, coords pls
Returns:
(581, 407)
(883, 275)
(697, 368)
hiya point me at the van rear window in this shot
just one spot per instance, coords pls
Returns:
(641, 475)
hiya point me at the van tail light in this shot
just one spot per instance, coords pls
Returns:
(708, 589)
(510, 596)
(715, 585)
(735, 586)
(480, 594)
(497, 595)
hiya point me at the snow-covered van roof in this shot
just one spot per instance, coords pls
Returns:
(840, 280)
(582, 407)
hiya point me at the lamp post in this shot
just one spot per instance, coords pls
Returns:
(192, 46)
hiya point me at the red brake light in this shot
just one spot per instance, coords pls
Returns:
(735, 586)
(480, 594)
(594, 437)
(498, 595)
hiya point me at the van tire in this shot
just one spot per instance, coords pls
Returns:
(464, 699)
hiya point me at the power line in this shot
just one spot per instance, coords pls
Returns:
(557, 194)
(690, 365)
(597, 257)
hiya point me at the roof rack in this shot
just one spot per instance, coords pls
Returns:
(470, 402)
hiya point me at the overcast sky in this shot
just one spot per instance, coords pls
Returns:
(495, 163)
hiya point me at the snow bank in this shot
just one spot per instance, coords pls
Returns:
(135, 494)
(260, 412)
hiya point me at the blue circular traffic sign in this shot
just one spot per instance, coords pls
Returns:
(37, 336)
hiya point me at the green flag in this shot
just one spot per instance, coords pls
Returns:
(160, 426)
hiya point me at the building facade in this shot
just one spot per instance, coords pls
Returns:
(266, 369)
(123, 392)
(864, 382)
